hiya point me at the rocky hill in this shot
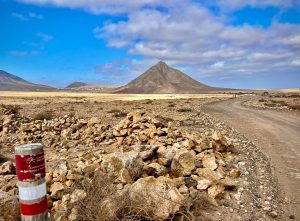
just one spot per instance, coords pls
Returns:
(10, 82)
(76, 85)
(163, 79)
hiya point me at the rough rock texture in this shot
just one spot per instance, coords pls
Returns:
(147, 158)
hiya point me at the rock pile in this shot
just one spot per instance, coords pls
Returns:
(157, 164)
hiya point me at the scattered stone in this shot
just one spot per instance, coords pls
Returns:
(210, 162)
(7, 168)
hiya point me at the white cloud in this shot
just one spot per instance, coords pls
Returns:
(187, 33)
(22, 53)
(196, 37)
(26, 17)
(105, 6)
(34, 15)
(219, 64)
(19, 16)
(44, 37)
(237, 4)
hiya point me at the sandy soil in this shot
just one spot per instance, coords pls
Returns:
(106, 97)
(277, 134)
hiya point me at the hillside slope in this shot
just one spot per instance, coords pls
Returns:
(10, 82)
(161, 78)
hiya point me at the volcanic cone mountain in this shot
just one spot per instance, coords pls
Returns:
(10, 82)
(161, 79)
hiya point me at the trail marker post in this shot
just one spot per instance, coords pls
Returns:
(30, 168)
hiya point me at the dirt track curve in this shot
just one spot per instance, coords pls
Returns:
(277, 134)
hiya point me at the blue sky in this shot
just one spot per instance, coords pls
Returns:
(227, 43)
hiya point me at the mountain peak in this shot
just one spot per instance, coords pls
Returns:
(162, 78)
(161, 64)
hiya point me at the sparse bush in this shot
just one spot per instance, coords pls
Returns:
(184, 110)
(11, 109)
(103, 202)
(171, 105)
(295, 107)
(164, 120)
(262, 100)
(148, 101)
(45, 115)
(112, 111)
(120, 114)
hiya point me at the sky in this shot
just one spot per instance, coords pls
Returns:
(252, 44)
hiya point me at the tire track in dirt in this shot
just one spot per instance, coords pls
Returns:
(276, 133)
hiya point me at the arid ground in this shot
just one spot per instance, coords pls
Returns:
(265, 145)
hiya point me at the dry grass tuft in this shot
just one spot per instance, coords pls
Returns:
(45, 115)
(184, 110)
(105, 203)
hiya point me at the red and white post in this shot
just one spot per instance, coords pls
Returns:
(30, 167)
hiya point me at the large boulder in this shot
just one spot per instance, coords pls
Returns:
(156, 198)
(132, 161)
(183, 163)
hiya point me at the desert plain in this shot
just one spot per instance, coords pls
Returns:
(222, 156)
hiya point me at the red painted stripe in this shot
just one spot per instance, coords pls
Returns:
(30, 167)
(34, 209)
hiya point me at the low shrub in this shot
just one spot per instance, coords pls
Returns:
(45, 115)
(184, 110)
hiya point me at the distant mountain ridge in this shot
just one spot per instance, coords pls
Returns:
(10, 82)
(160, 79)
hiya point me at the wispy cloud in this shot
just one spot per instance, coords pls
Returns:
(35, 47)
(26, 17)
(19, 16)
(23, 53)
(44, 37)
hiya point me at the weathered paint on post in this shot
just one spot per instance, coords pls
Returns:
(30, 168)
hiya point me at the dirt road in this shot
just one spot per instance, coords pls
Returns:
(278, 136)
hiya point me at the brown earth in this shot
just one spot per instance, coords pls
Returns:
(255, 198)
(276, 134)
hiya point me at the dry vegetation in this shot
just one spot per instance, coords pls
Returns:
(276, 102)
(91, 143)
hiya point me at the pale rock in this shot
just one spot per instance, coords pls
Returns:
(7, 168)
(78, 195)
(132, 161)
(155, 169)
(203, 184)
(160, 197)
(188, 144)
(60, 169)
(209, 161)
(209, 174)
(183, 163)
(215, 190)
(73, 215)
(234, 173)
(56, 190)
(124, 176)
(93, 121)
(183, 189)
(166, 153)
(7, 119)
